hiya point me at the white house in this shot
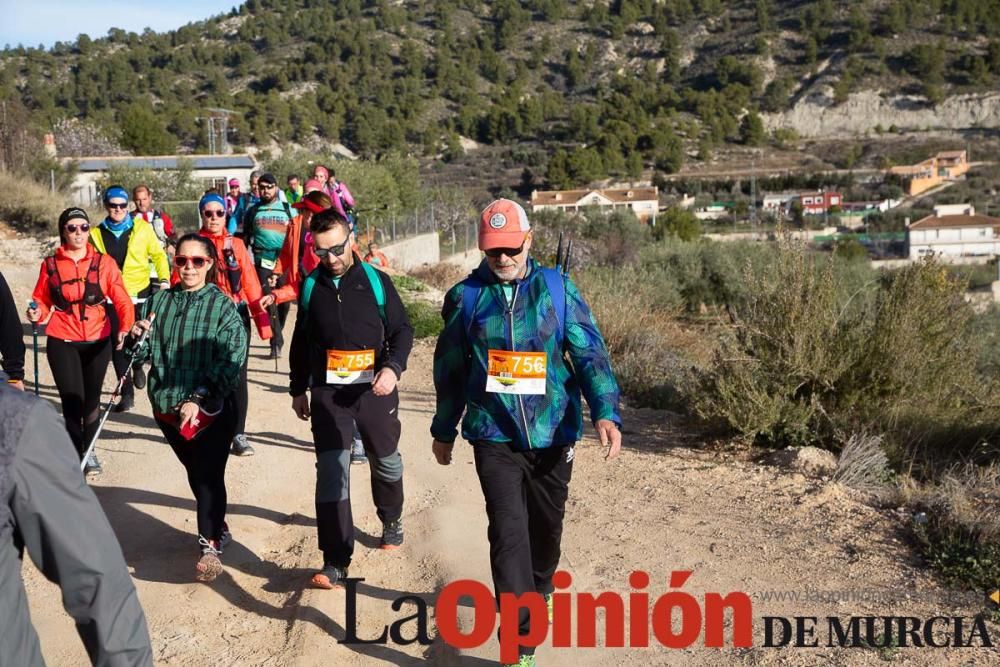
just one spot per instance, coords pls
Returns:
(212, 171)
(644, 202)
(772, 203)
(954, 231)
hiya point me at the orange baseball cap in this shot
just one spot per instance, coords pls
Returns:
(503, 224)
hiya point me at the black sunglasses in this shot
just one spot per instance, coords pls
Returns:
(510, 252)
(116, 206)
(214, 214)
(73, 229)
(336, 250)
(266, 186)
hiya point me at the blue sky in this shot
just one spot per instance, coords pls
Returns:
(34, 22)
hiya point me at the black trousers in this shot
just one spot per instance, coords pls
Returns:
(78, 370)
(525, 503)
(204, 459)
(119, 357)
(241, 398)
(334, 413)
(282, 308)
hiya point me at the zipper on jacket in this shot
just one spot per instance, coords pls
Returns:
(520, 398)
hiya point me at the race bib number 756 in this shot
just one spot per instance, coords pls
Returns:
(516, 372)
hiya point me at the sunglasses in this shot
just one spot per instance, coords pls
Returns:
(510, 252)
(197, 262)
(116, 207)
(213, 214)
(73, 229)
(336, 250)
(266, 186)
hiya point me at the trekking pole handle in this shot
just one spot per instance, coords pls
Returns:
(34, 306)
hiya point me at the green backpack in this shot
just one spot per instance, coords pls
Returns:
(310, 282)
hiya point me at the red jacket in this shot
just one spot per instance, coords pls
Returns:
(67, 325)
(288, 263)
(250, 291)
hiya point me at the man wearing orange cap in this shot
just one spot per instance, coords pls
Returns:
(502, 361)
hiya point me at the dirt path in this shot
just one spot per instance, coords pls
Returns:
(663, 505)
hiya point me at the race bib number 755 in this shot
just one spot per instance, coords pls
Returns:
(516, 372)
(350, 367)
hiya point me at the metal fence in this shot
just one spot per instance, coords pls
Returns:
(381, 226)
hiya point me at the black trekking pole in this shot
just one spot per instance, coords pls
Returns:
(569, 251)
(118, 388)
(34, 344)
(559, 250)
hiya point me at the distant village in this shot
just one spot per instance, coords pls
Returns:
(955, 232)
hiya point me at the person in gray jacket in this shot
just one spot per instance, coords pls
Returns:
(47, 508)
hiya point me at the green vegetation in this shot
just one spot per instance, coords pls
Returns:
(606, 89)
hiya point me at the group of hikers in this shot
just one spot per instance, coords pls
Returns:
(518, 348)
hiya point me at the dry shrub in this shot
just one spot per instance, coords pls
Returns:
(959, 529)
(443, 275)
(28, 206)
(807, 364)
(652, 354)
(863, 464)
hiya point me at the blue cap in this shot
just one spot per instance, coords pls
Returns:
(115, 192)
(209, 198)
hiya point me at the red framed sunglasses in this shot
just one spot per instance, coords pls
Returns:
(197, 262)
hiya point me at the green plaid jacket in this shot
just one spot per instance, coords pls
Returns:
(198, 340)
(526, 422)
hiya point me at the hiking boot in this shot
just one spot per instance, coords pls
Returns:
(330, 577)
(358, 453)
(209, 566)
(138, 376)
(240, 446)
(524, 661)
(392, 534)
(126, 402)
(93, 466)
(225, 537)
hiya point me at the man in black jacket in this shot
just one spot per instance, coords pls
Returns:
(47, 508)
(11, 339)
(350, 346)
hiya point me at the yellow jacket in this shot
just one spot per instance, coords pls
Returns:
(144, 248)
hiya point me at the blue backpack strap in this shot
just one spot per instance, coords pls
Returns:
(307, 289)
(471, 289)
(556, 285)
(377, 288)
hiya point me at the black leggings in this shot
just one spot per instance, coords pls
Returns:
(119, 357)
(241, 398)
(282, 308)
(205, 460)
(78, 370)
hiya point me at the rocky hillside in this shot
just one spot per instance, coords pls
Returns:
(578, 90)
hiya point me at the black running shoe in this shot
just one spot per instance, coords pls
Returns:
(392, 534)
(330, 577)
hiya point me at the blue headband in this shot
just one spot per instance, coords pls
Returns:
(209, 198)
(115, 192)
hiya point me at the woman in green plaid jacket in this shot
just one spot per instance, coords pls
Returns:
(196, 348)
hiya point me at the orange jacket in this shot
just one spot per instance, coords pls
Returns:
(67, 325)
(383, 261)
(288, 263)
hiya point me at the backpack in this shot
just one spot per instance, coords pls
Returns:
(310, 282)
(92, 292)
(554, 282)
(234, 275)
